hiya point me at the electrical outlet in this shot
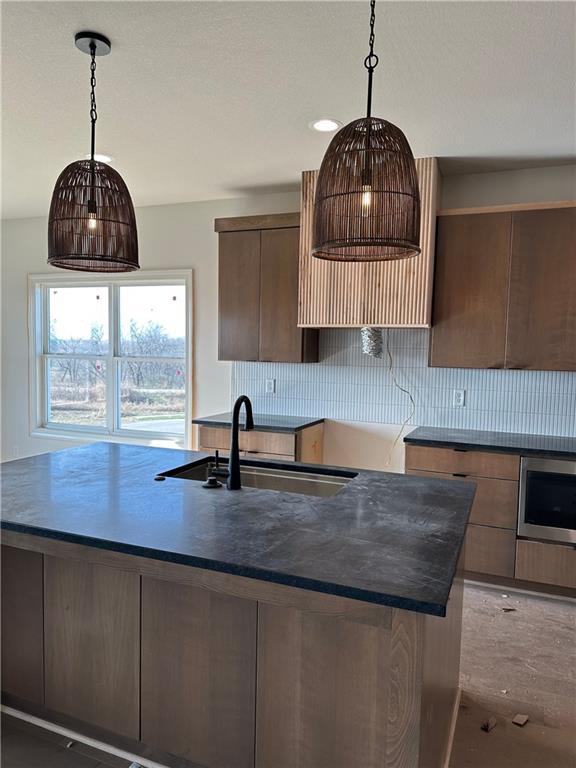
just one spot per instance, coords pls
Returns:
(458, 398)
(270, 386)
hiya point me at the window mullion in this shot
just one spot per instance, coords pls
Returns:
(111, 391)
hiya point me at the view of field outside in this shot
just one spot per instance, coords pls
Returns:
(152, 326)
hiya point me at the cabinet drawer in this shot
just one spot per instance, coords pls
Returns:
(490, 550)
(546, 563)
(282, 443)
(504, 466)
(495, 502)
(273, 456)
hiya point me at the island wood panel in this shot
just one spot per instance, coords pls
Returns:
(238, 295)
(542, 300)
(280, 338)
(490, 550)
(322, 691)
(396, 293)
(441, 679)
(198, 674)
(471, 291)
(405, 665)
(22, 624)
(92, 643)
(546, 563)
(495, 502)
(503, 466)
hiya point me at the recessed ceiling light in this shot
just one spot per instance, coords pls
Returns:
(100, 158)
(326, 125)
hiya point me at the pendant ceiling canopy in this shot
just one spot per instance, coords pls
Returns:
(91, 225)
(367, 204)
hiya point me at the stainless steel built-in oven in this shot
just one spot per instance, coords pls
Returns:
(547, 502)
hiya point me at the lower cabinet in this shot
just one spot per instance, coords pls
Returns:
(490, 551)
(22, 625)
(198, 674)
(92, 642)
(306, 445)
(491, 535)
(547, 563)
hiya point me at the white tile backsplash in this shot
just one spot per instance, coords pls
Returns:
(348, 385)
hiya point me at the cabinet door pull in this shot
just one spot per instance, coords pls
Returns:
(461, 450)
(458, 474)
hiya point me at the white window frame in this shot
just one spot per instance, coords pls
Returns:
(39, 357)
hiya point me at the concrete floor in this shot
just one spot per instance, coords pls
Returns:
(521, 661)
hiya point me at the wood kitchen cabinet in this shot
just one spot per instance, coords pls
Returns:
(238, 295)
(22, 624)
(305, 445)
(471, 291)
(258, 291)
(505, 290)
(239, 672)
(491, 535)
(547, 563)
(396, 294)
(198, 674)
(92, 642)
(542, 306)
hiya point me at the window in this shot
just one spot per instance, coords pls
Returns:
(110, 357)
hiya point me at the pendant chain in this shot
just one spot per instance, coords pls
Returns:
(93, 112)
(371, 61)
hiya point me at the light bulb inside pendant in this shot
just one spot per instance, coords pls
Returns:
(92, 217)
(366, 200)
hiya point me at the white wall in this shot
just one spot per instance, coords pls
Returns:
(171, 236)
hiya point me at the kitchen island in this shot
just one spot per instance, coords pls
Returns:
(233, 628)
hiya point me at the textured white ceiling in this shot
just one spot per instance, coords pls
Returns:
(204, 100)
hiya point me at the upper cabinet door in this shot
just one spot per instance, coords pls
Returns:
(471, 291)
(239, 295)
(280, 337)
(542, 307)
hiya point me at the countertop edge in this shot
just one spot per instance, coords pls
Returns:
(491, 448)
(276, 577)
(207, 422)
(488, 447)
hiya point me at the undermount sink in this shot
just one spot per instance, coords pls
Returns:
(267, 476)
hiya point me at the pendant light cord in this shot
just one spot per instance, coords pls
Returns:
(93, 113)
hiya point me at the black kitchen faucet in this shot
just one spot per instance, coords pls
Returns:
(233, 483)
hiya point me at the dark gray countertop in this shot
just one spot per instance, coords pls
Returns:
(262, 422)
(384, 538)
(501, 442)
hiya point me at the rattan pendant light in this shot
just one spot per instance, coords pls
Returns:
(91, 225)
(367, 204)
